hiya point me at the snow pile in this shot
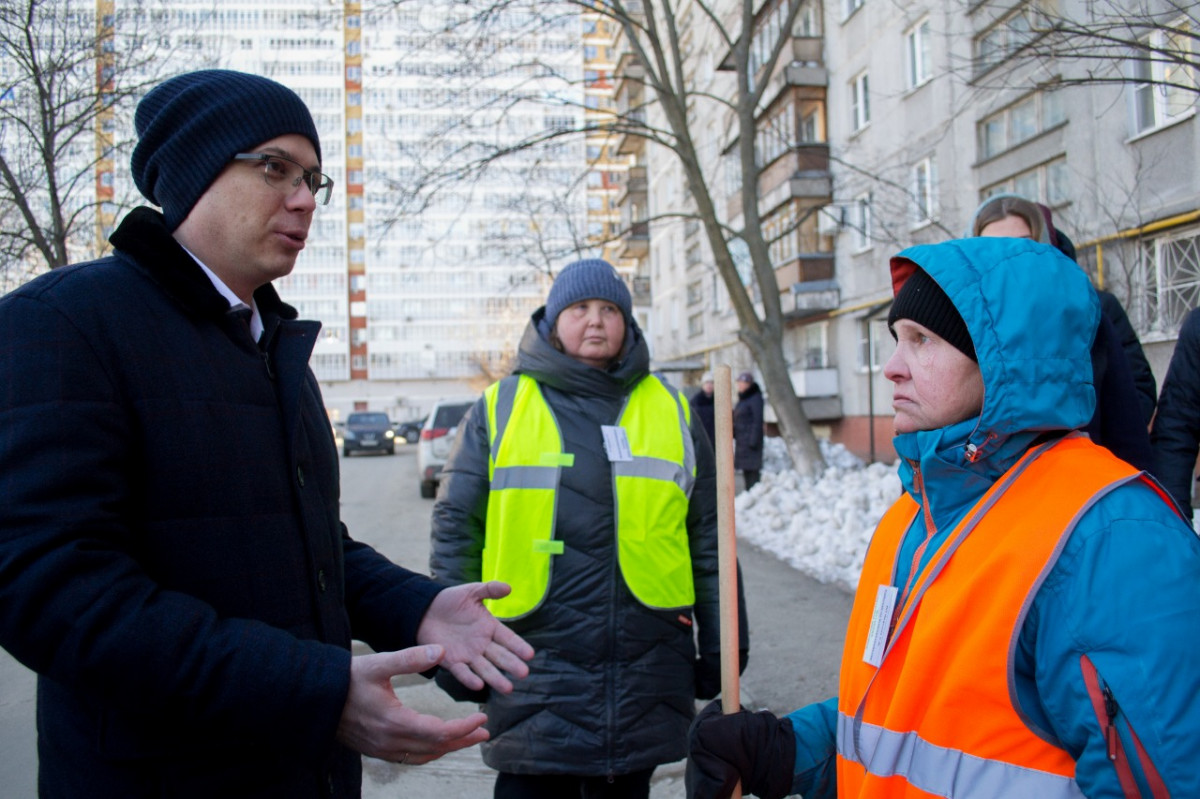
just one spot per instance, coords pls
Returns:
(820, 527)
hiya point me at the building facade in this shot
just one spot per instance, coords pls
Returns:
(891, 123)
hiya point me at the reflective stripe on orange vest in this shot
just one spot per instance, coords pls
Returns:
(938, 717)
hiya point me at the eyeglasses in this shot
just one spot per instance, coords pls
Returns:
(283, 173)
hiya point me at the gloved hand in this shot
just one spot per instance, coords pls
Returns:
(708, 672)
(459, 692)
(757, 748)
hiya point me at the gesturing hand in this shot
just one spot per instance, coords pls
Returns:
(479, 649)
(376, 723)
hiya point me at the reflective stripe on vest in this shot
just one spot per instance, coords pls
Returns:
(651, 494)
(938, 717)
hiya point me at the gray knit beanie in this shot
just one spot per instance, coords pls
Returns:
(590, 279)
(191, 126)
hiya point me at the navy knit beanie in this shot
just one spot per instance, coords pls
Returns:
(590, 279)
(189, 127)
(922, 300)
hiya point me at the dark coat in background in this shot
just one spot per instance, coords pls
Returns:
(611, 689)
(172, 562)
(1127, 338)
(748, 429)
(1117, 424)
(704, 407)
(1176, 434)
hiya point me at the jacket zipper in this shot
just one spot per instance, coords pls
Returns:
(1104, 703)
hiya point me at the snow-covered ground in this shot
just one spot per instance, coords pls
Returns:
(820, 527)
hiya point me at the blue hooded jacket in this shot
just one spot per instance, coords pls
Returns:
(1123, 591)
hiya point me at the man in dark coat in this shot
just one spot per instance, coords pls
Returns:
(704, 406)
(172, 563)
(748, 429)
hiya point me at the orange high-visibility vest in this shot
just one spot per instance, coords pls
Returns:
(938, 717)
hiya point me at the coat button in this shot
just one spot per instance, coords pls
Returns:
(300, 474)
(321, 579)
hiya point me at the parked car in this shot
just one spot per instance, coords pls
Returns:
(437, 437)
(368, 432)
(410, 431)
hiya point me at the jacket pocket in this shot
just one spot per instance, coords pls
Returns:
(1108, 716)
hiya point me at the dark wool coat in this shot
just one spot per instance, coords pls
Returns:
(748, 429)
(1139, 367)
(611, 689)
(1118, 423)
(172, 563)
(704, 406)
(1176, 434)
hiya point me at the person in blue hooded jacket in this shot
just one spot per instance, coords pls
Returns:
(1099, 660)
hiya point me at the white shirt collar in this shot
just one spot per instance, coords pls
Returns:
(256, 323)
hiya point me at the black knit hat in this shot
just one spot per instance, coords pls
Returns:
(590, 279)
(189, 127)
(922, 300)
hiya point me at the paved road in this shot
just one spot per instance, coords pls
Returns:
(796, 627)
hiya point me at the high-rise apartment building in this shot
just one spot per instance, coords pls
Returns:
(423, 284)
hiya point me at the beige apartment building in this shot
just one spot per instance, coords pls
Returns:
(886, 125)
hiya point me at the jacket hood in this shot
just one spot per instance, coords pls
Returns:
(1032, 315)
(538, 358)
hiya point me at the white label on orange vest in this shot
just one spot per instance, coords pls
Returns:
(881, 624)
(616, 444)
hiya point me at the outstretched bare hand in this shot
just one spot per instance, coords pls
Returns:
(376, 723)
(479, 649)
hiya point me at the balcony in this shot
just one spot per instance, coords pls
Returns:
(629, 141)
(635, 186)
(818, 294)
(635, 242)
(821, 382)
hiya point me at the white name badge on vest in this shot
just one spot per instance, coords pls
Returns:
(616, 444)
(881, 624)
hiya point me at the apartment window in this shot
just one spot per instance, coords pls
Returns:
(1020, 122)
(924, 191)
(1047, 183)
(696, 325)
(860, 222)
(1170, 278)
(918, 68)
(777, 134)
(1163, 92)
(872, 334)
(814, 345)
(808, 23)
(850, 7)
(860, 103)
(810, 128)
(1005, 37)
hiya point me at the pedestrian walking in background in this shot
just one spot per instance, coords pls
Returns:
(172, 563)
(1176, 432)
(748, 429)
(1027, 621)
(585, 481)
(1125, 387)
(704, 406)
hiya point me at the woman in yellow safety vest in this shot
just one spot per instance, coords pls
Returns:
(583, 481)
(1027, 621)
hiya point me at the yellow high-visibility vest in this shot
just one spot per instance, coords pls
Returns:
(651, 491)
